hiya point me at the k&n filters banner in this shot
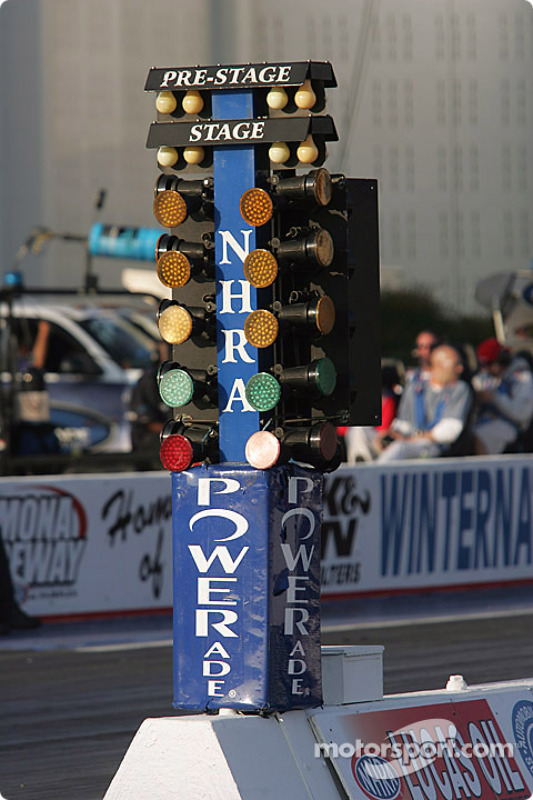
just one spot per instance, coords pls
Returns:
(427, 524)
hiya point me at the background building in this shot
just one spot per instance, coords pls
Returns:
(435, 99)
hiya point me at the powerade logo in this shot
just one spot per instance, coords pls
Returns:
(376, 777)
(522, 720)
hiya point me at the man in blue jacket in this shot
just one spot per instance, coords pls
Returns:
(433, 412)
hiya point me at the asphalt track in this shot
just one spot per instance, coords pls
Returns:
(73, 695)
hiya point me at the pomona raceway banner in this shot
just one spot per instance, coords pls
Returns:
(103, 543)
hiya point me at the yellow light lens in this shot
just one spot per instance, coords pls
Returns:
(175, 324)
(325, 315)
(307, 151)
(170, 209)
(166, 102)
(256, 207)
(194, 154)
(279, 152)
(277, 98)
(260, 268)
(173, 269)
(261, 328)
(167, 156)
(193, 102)
(305, 96)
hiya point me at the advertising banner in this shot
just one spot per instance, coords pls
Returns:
(246, 588)
(450, 748)
(95, 544)
(427, 524)
(103, 543)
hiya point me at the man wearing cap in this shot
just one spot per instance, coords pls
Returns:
(504, 394)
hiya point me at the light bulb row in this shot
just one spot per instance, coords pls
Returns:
(279, 152)
(277, 99)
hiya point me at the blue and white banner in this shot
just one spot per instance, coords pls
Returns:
(103, 543)
(246, 588)
(427, 524)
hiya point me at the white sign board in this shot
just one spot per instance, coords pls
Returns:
(103, 544)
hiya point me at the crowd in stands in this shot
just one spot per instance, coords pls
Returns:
(445, 406)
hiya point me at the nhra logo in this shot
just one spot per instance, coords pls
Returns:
(376, 777)
(523, 731)
(44, 532)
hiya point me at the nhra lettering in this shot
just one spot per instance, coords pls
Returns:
(473, 519)
(44, 532)
(226, 76)
(226, 132)
(235, 343)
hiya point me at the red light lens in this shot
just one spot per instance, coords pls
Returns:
(176, 453)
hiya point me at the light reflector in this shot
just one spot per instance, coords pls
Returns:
(173, 269)
(175, 324)
(260, 268)
(256, 207)
(261, 328)
(263, 391)
(170, 209)
(176, 388)
(176, 453)
(262, 450)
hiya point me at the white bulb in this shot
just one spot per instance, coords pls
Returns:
(279, 152)
(194, 154)
(193, 102)
(308, 151)
(305, 96)
(167, 156)
(277, 98)
(165, 102)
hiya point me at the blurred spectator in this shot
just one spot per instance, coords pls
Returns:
(425, 342)
(148, 413)
(504, 395)
(33, 433)
(364, 443)
(11, 615)
(433, 412)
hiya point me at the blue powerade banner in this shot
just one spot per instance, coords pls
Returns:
(246, 552)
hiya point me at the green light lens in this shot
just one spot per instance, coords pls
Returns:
(176, 388)
(326, 376)
(263, 391)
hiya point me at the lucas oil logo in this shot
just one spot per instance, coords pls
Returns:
(44, 533)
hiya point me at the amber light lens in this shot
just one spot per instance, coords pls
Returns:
(173, 269)
(323, 248)
(175, 324)
(261, 328)
(325, 315)
(170, 209)
(256, 207)
(176, 453)
(260, 268)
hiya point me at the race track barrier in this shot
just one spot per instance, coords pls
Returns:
(101, 544)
